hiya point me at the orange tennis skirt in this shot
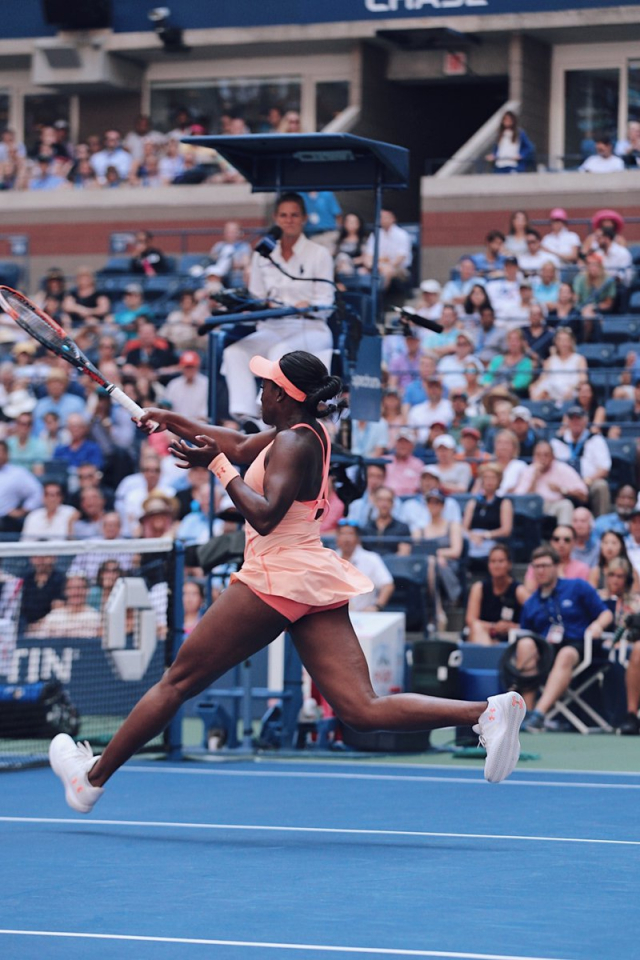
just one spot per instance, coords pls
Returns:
(292, 609)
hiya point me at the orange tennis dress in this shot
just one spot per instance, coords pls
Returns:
(290, 564)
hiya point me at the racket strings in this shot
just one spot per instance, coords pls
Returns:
(34, 324)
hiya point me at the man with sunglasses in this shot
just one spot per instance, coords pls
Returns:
(561, 611)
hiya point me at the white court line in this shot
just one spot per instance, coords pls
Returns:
(341, 831)
(315, 775)
(316, 947)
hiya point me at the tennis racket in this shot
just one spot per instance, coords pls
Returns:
(51, 335)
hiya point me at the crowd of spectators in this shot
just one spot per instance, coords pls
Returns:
(141, 157)
(463, 424)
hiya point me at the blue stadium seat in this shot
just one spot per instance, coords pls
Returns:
(10, 274)
(624, 349)
(527, 525)
(623, 467)
(598, 354)
(114, 285)
(165, 285)
(620, 329)
(542, 409)
(603, 381)
(634, 302)
(634, 250)
(115, 265)
(618, 409)
(410, 594)
(189, 260)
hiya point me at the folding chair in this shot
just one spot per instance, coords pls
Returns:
(573, 697)
(583, 678)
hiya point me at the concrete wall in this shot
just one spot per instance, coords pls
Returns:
(530, 83)
(70, 227)
(457, 212)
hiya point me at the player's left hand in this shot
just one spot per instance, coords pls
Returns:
(199, 456)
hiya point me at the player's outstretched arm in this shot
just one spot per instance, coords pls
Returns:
(238, 447)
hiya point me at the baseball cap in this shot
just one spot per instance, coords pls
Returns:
(434, 494)
(406, 435)
(511, 260)
(466, 335)
(526, 283)
(470, 432)
(558, 213)
(189, 359)
(521, 413)
(576, 411)
(61, 125)
(430, 469)
(430, 286)
(445, 441)
(133, 288)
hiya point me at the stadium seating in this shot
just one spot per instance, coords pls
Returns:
(634, 302)
(598, 354)
(410, 594)
(10, 274)
(618, 410)
(623, 456)
(527, 525)
(620, 329)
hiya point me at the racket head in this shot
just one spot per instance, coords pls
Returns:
(45, 330)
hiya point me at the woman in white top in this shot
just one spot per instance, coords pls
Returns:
(506, 451)
(563, 371)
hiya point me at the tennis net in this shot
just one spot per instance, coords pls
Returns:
(86, 627)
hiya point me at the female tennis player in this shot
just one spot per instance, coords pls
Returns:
(288, 581)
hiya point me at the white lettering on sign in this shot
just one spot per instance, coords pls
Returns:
(41, 664)
(129, 593)
(392, 6)
(365, 381)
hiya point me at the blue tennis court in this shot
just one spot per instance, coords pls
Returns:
(270, 859)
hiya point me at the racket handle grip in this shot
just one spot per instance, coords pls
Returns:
(136, 411)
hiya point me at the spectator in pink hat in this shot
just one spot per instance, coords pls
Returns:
(561, 241)
(604, 218)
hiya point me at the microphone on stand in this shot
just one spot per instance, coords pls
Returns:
(408, 314)
(267, 244)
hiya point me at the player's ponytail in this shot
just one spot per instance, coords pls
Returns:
(311, 376)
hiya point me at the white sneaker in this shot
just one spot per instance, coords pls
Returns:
(72, 762)
(498, 728)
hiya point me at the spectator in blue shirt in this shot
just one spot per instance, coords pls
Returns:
(324, 217)
(20, 493)
(618, 521)
(58, 400)
(561, 611)
(44, 178)
(490, 263)
(80, 449)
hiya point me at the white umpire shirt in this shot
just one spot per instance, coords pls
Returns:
(309, 260)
